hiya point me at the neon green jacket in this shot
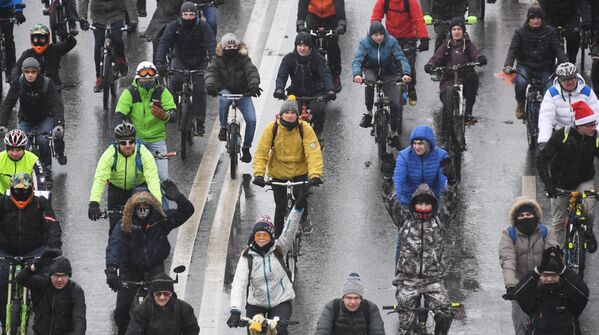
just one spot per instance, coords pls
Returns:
(149, 128)
(123, 176)
(8, 167)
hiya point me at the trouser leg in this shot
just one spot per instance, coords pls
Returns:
(246, 106)
(280, 196)
(470, 90)
(392, 92)
(519, 318)
(435, 295)
(407, 295)
(283, 311)
(369, 75)
(116, 199)
(124, 299)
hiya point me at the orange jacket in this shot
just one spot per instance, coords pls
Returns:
(321, 8)
(399, 22)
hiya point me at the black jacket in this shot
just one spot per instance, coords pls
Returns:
(562, 11)
(566, 165)
(57, 312)
(335, 319)
(49, 60)
(310, 75)
(553, 312)
(24, 230)
(235, 73)
(535, 48)
(194, 46)
(177, 318)
(34, 105)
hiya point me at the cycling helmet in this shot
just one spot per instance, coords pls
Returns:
(40, 38)
(21, 189)
(146, 69)
(15, 139)
(565, 71)
(124, 130)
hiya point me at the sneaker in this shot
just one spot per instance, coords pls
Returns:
(122, 66)
(62, 159)
(246, 157)
(470, 120)
(337, 81)
(98, 86)
(366, 121)
(142, 13)
(199, 130)
(307, 227)
(591, 242)
(520, 113)
(222, 134)
(412, 97)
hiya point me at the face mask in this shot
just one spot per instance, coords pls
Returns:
(288, 125)
(262, 249)
(147, 84)
(526, 226)
(142, 212)
(550, 288)
(21, 194)
(230, 52)
(188, 23)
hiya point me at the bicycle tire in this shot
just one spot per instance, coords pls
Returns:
(532, 118)
(459, 123)
(53, 21)
(61, 26)
(482, 10)
(15, 316)
(233, 148)
(185, 127)
(399, 118)
(577, 253)
(106, 81)
(381, 132)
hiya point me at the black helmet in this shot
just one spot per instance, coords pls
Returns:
(124, 130)
(303, 38)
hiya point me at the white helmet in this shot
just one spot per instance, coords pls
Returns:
(565, 71)
(146, 69)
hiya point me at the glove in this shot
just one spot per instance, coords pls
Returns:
(388, 165)
(132, 27)
(341, 28)
(84, 24)
(3, 131)
(212, 90)
(279, 94)
(234, 318)
(300, 26)
(162, 69)
(20, 17)
(551, 191)
(429, 68)
(428, 20)
(509, 293)
(259, 181)
(448, 170)
(482, 60)
(423, 44)
(255, 90)
(93, 211)
(315, 181)
(112, 279)
(508, 70)
(170, 190)
(471, 20)
(46, 258)
(302, 201)
(159, 112)
(331, 95)
(58, 132)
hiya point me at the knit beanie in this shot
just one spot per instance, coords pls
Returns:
(189, 6)
(161, 282)
(60, 264)
(583, 114)
(289, 105)
(457, 21)
(535, 11)
(353, 285)
(229, 39)
(30, 63)
(526, 208)
(303, 38)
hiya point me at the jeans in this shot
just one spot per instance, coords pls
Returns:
(116, 199)
(521, 83)
(246, 106)
(391, 91)
(409, 45)
(199, 98)
(282, 310)
(280, 195)
(7, 29)
(161, 164)
(46, 125)
(331, 44)
(211, 15)
(117, 41)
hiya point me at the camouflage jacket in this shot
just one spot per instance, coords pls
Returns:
(422, 242)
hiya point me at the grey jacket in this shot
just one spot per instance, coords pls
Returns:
(326, 321)
(108, 11)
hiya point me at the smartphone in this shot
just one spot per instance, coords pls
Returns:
(156, 102)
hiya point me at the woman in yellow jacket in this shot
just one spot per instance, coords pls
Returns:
(291, 150)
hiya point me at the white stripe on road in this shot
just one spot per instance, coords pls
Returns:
(529, 187)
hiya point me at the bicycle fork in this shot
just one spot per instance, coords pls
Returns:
(233, 137)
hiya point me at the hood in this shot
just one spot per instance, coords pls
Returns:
(136, 198)
(459, 43)
(243, 50)
(424, 133)
(521, 201)
(423, 189)
(384, 33)
(579, 79)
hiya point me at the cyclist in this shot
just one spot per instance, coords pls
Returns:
(446, 10)
(556, 108)
(59, 302)
(566, 162)
(261, 274)
(594, 49)
(163, 312)
(232, 71)
(553, 296)
(534, 46)
(8, 11)
(352, 314)
(139, 245)
(125, 166)
(192, 44)
(149, 106)
(70, 7)
(28, 227)
(457, 50)
(376, 58)
(17, 159)
(103, 13)
(210, 13)
(404, 21)
(520, 249)
(41, 108)
(330, 15)
(292, 153)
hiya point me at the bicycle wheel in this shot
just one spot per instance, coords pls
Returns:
(381, 132)
(532, 118)
(482, 9)
(106, 80)
(457, 119)
(185, 127)
(15, 316)
(399, 119)
(233, 147)
(576, 251)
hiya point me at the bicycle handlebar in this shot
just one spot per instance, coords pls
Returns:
(288, 183)
(322, 32)
(531, 81)
(245, 321)
(185, 72)
(18, 259)
(313, 98)
(400, 308)
(95, 26)
(104, 213)
(455, 67)
(166, 155)
(397, 82)
(231, 96)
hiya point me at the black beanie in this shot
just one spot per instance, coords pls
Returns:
(161, 282)
(376, 27)
(303, 38)
(263, 224)
(60, 264)
(189, 6)
(457, 21)
(526, 208)
(535, 11)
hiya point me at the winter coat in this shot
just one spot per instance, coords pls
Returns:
(126, 175)
(400, 23)
(28, 163)
(556, 108)
(447, 9)
(194, 46)
(24, 230)
(269, 285)
(411, 170)
(518, 258)
(235, 73)
(535, 48)
(176, 318)
(108, 11)
(383, 57)
(166, 11)
(309, 75)
(57, 312)
(452, 53)
(350, 323)
(321, 8)
(422, 241)
(141, 245)
(561, 10)
(567, 161)
(49, 60)
(553, 312)
(34, 105)
(290, 156)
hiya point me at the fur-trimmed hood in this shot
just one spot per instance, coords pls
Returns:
(522, 201)
(129, 210)
(243, 50)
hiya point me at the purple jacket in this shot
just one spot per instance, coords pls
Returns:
(454, 53)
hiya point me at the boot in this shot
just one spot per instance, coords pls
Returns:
(222, 134)
(591, 242)
(307, 227)
(62, 159)
(246, 157)
(122, 66)
(98, 86)
(337, 81)
(412, 97)
(366, 121)
(200, 130)
(520, 113)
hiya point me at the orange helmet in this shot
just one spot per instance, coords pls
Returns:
(21, 189)
(40, 38)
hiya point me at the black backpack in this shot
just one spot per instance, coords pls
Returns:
(406, 6)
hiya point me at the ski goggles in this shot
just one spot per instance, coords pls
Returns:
(39, 40)
(146, 71)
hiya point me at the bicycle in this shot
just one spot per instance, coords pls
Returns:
(259, 325)
(446, 28)
(586, 42)
(315, 121)
(3, 67)
(18, 305)
(576, 244)
(186, 125)
(233, 131)
(34, 147)
(535, 92)
(56, 12)
(108, 68)
(422, 327)
(142, 287)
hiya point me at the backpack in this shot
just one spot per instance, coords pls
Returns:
(514, 234)
(44, 88)
(278, 255)
(138, 163)
(136, 98)
(567, 132)
(300, 128)
(364, 308)
(406, 6)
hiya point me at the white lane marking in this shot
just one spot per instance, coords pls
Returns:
(529, 187)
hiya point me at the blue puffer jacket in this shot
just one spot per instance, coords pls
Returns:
(384, 57)
(412, 170)
(10, 4)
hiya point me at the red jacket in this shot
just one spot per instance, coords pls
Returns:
(399, 23)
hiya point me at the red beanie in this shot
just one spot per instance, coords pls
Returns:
(583, 114)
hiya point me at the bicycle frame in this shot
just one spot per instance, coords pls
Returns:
(233, 132)
(576, 228)
(18, 306)
(34, 147)
(321, 35)
(535, 91)
(422, 314)
(185, 122)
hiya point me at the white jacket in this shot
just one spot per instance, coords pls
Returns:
(269, 284)
(556, 108)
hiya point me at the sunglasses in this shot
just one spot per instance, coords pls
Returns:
(189, 14)
(146, 71)
(126, 142)
(166, 294)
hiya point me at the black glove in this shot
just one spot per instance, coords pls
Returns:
(259, 180)
(551, 191)
(429, 68)
(300, 26)
(162, 69)
(84, 24)
(388, 165)
(482, 60)
(132, 27)
(46, 258)
(20, 17)
(279, 94)
(448, 170)
(423, 44)
(509, 293)
(212, 90)
(331, 95)
(302, 201)
(340, 30)
(508, 69)
(93, 211)
(255, 90)
(170, 190)
(315, 181)
(112, 279)
(233, 321)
